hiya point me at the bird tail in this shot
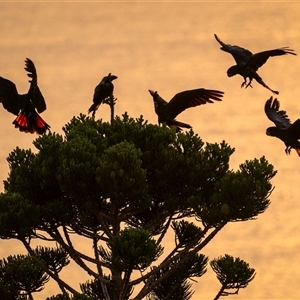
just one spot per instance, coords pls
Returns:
(93, 108)
(176, 128)
(180, 124)
(176, 125)
(31, 122)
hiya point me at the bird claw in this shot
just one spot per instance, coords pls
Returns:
(245, 84)
(288, 150)
(249, 84)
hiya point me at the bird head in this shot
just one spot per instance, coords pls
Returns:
(112, 77)
(152, 93)
(155, 97)
(232, 71)
(272, 131)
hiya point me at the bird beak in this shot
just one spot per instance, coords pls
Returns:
(112, 77)
(268, 132)
(152, 93)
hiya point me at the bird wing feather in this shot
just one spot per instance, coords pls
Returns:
(260, 58)
(240, 55)
(34, 91)
(279, 117)
(9, 96)
(192, 98)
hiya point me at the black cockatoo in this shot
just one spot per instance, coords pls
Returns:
(167, 111)
(27, 106)
(247, 63)
(286, 131)
(102, 91)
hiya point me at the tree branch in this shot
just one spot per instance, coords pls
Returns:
(164, 231)
(76, 255)
(125, 284)
(96, 253)
(100, 216)
(149, 286)
(50, 273)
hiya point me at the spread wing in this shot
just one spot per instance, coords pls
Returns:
(240, 55)
(9, 96)
(34, 91)
(260, 58)
(279, 117)
(192, 98)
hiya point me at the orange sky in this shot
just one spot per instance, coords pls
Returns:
(170, 47)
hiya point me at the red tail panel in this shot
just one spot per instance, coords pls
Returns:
(40, 125)
(22, 123)
(33, 123)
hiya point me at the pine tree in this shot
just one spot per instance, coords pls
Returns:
(121, 186)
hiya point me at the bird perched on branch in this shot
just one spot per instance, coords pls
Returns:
(167, 111)
(26, 106)
(102, 91)
(247, 63)
(286, 131)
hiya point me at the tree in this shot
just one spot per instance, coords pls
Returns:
(122, 186)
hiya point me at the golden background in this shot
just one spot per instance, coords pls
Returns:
(170, 47)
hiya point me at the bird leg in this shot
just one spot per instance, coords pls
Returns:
(249, 83)
(260, 81)
(274, 92)
(288, 150)
(245, 83)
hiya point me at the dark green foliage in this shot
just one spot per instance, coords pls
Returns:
(233, 273)
(245, 192)
(9, 291)
(14, 216)
(175, 286)
(93, 290)
(122, 186)
(54, 259)
(131, 249)
(185, 232)
(22, 275)
(67, 297)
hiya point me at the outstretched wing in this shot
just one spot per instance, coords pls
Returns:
(34, 91)
(9, 96)
(192, 98)
(260, 58)
(279, 117)
(240, 55)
